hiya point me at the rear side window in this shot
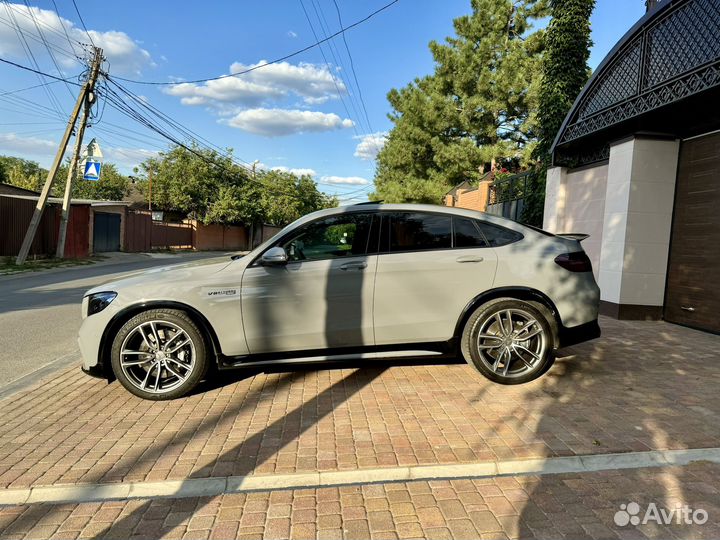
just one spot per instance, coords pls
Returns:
(467, 235)
(418, 232)
(498, 236)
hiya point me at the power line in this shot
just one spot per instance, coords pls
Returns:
(327, 64)
(17, 9)
(59, 79)
(45, 42)
(352, 69)
(338, 59)
(83, 23)
(28, 52)
(277, 60)
(62, 23)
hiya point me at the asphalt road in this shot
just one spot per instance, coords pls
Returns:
(40, 311)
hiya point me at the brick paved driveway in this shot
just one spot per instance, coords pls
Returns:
(642, 386)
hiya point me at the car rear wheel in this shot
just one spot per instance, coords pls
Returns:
(159, 354)
(509, 341)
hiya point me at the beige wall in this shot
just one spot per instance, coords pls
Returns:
(626, 206)
(637, 221)
(575, 202)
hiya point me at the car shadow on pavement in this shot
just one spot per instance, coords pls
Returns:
(244, 457)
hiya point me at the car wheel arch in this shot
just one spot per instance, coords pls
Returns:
(527, 294)
(130, 311)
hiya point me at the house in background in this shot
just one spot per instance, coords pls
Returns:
(470, 195)
(637, 166)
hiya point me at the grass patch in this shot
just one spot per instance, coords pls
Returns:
(8, 266)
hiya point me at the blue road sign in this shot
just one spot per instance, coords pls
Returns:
(92, 170)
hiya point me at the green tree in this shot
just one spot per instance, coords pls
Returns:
(210, 187)
(22, 173)
(565, 72)
(477, 108)
(112, 186)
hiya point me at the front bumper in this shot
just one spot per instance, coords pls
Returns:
(90, 338)
(578, 334)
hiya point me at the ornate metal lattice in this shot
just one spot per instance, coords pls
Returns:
(675, 54)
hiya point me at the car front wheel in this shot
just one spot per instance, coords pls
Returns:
(159, 354)
(509, 341)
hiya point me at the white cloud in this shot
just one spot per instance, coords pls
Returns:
(13, 143)
(123, 53)
(314, 83)
(370, 145)
(345, 180)
(291, 34)
(296, 172)
(128, 157)
(277, 122)
(44, 150)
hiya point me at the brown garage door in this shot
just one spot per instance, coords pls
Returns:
(693, 287)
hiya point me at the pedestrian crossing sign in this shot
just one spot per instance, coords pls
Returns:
(92, 170)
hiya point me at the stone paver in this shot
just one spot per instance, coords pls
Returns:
(642, 386)
(551, 506)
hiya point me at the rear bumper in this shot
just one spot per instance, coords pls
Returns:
(578, 334)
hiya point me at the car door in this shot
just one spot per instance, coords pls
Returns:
(322, 298)
(430, 266)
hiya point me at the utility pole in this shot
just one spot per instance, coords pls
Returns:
(150, 185)
(89, 100)
(88, 87)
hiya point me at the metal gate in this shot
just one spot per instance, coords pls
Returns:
(106, 232)
(692, 295)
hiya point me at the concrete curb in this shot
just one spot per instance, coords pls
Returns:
(205, 487)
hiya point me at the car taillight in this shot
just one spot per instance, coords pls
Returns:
(575, 262)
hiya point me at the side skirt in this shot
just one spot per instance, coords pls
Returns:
(444, 349)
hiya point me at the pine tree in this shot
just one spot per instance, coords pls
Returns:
(565, 72)
(476, 108)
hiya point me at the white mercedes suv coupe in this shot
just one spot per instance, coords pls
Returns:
(356, 282)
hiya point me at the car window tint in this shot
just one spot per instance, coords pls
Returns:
(498, 236)
(338, 236)
(417, 232)
(467, 235)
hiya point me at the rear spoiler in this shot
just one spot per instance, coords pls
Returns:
(573, 236)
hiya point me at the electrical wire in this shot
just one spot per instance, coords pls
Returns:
(327, 64)
(47, 47)
(29, 54)
(77, 10)
(275, 61)
(62, 24)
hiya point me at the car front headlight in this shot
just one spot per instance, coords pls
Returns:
(99, 301)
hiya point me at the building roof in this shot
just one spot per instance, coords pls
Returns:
(58, 200)
(9, 189)
(661, 79)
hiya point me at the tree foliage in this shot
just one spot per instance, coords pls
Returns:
(210, 187)
(565, 72)
(22, 173)
(476, 108)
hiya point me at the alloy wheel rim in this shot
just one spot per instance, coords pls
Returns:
(157, 356)
(511, 343)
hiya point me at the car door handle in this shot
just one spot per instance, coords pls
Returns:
(469, 259)
(353, 266)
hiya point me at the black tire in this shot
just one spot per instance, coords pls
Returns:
(524, 365)
(166, 322)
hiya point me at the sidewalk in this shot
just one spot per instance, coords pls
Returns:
(639, 388)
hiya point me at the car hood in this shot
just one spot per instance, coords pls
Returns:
(191, 272)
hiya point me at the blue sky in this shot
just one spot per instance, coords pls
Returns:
(287, 115)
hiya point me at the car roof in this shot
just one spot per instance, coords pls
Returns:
(416, 207)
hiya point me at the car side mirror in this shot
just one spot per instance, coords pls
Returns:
(275, 256)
